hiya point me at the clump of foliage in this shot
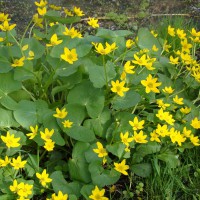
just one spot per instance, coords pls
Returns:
(80, 113)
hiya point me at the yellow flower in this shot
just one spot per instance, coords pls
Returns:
(186, 132)
(154, 48)
(121, 167)
(168, 90)
(18, 62)
(49, 145)
(151, 84)
(10, 140)
(47, 134)
(177, 100)
(4, 17)
(4, 163)
(136, 124)
(101, 50)
(118, 87)
(60, 113)
(162, 130)
(42, 11)
(125, 139)
(154, 137)
(69, 56)
(42, 3)
(78, 11)
(60, 196)
(129, 43)
(180, 33)
(54, 7)
(73, 33)
(174, 61)
(93, 22)
(166, 46)
(195, 123)
(139, 137)
(31, 55)
(140, 61)
(128, 68)
(194, 140)
(18, 163)
(195, 33)
(153, 33)
(98, 194)
(43, 178)
(185, 110)
(33, 133)
(38, 21)
(176, 136)
(24, 190)
(68, 12)
(100, 150)
(67, 124)
(54, 41)
(6, 27)
(186, 46)
(171, 31)
(14, 187)
(161, 104)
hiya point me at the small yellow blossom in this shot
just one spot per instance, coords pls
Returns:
(180, 33)
(68, 12)
(33, 133)
(18, 163)
(5, 162)
(136, 124)
(154, 137)
(141, 61)
(151, 84)
(194, 140)
(171, 31)
(4, 17)
(161, 104)
(54, 41)
(69, 56)
(173, 60)
(101, 151)
(168, 90)
(195, 123)
(6, 27)
(18, 62)
(14, 187)
(67, 124)
(42, 3)
(154, 48)
(42, 11)
(185, 110)
(78, 11)
(98, 194)
(162, 130)
(154, 33)
(49, 145)
(54, 7)
(129, 43)
(43, 178)
(93, 22)
(38, 21)
(140, 137)
(60, 113)
(10, 140)
(31, 55)
(72, 32)
(60, 196)
(178, 100)
(186, 132)
(166, 46)
(125, 138)
(24, 190)
(118, 87)
(176, 136)
(121, 167)
(46, 135)
(186, 46)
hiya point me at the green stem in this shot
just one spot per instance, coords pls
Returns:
(23, 36)
(105, 72)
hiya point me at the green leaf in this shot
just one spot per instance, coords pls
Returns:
(86, 191)
(106, 33)
(146, 40)
(143, 169)
(26, 114)
(5, 65)
(102, 177)
(78, 166)
(6, 119)
(130, 99)
(83, 94)
(59, 183)
(81, 133)
(53, 16)
(116, 149)
(170, 158)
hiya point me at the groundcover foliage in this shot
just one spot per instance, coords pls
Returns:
(81, 112)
